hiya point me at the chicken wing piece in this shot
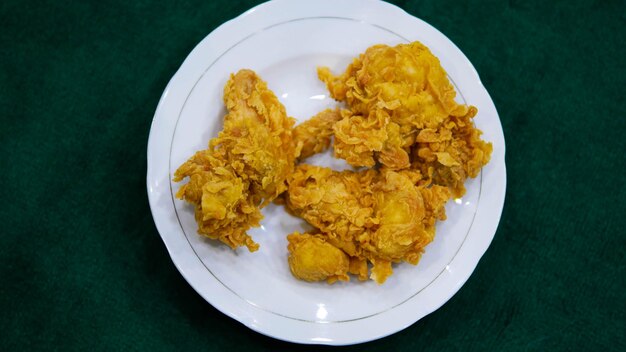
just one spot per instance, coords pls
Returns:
(245, 167)
(395, 92)
(314, 135)
(312, 258)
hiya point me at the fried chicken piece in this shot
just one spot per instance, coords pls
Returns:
(339, 204)
(245, 167)
(314, 135)
(257, 136)
(406, 225)
(224, 209)
(312, 258)
(452, 153)
(381, 216)
(392, 92)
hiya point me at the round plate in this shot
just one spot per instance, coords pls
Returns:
(284, 42)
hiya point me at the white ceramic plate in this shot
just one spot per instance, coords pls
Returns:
(284, 41)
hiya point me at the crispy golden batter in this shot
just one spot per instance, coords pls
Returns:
(313, 135)
(380, 216)
(334, 202)
(451, 153)
(224, 208)
(245, 167)
(403, 113)
(312, 258)
(392, 92)
(358, 267)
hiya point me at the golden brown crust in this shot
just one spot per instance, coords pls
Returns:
(375, 215)
(403, 113)
(245, 167)
(312, 258)
(314, 135)
(452, 152)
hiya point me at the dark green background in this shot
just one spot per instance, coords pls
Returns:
(83, 267)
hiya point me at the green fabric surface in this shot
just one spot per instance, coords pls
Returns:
(83, 267)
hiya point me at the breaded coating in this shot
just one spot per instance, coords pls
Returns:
(312, 258)
(452, 152)
(376, 215)
(245, 167)
(392, 93)
(406, 223)
(358, 267)
(314, 135)
(224, 209)
(339, 204)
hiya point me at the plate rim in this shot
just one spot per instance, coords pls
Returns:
(271, 326)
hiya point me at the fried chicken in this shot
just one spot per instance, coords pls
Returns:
(392, 92)
(451, 153)
(379, 216)
(312, 258)
(314, 135)
(245, 167)
(397, 97)
(402, 122)
(224, 207)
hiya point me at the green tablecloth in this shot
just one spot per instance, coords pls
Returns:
(83, 267)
